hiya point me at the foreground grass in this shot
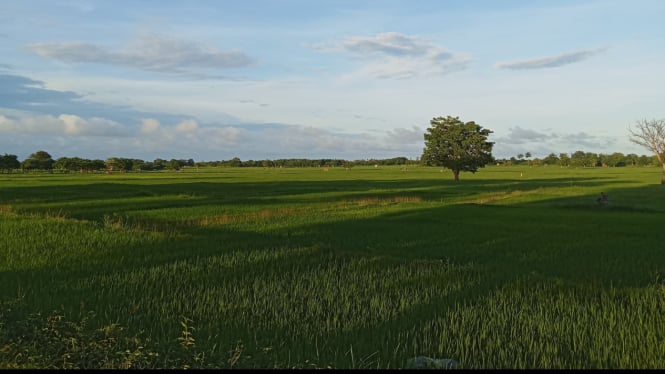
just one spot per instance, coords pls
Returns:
(262, 268)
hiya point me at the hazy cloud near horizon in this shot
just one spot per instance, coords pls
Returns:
(521, 140)
(26, 94)
(138, 134)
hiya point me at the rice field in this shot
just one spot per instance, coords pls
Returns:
(512, 267)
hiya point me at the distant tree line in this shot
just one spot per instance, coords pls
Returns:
(303, 162)
(42, 160)
(464, 146)
(583, 159)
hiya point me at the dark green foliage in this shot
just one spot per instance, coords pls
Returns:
(79, 164)
(36, 341)
(55, 341)
(456, 145)
(39, 160)
(9, 163)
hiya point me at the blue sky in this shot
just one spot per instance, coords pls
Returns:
(350, 79)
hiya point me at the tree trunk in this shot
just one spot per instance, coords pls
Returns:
(456, 174)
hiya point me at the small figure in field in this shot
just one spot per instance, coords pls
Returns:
(603, 199)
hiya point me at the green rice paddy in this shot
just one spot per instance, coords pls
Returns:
(512, 267)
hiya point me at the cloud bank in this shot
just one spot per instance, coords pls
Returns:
(69, 135)
(26, 94)
(520, 140)
(64, 124)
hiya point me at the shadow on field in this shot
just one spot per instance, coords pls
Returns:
(570, 241)
(92, 201)
(471, 232)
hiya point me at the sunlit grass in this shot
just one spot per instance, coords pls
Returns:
(361, 268)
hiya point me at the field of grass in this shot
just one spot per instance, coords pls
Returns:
(512, 267)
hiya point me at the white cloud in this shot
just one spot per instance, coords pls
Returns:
(6, 124)
(222, 136)
(73, 124)
(397, 56)
(187, 126)
(553, 61)
(149, 52)
(149, 126)
(390, 43)
(186, 135)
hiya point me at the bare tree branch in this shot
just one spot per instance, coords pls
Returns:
(651, 135)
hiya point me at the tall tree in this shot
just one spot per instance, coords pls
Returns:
(456, 145)
(39, 160)
(651, 135)
(564, 159)
(551, 159)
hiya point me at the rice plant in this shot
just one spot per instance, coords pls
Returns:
(300, 268)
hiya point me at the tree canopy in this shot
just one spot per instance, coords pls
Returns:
(9, 162)
(39, 160)
(456, 145)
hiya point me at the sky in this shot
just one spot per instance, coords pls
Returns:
(344, 79)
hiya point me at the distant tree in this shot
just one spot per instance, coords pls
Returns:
(614, 160)
(40, 160)
(137, 164)
(564, 159)
(173, 164)
(644, 160)
(119, 164)
(96, 165)
(631, 159)
(651, 135)
(527, 156)
(591, 159)
(551, 159)
(69, 163)
(112, 163)
(456, 145)
(235, 162)
(159, 164)
(9, 162)
(578, 159)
